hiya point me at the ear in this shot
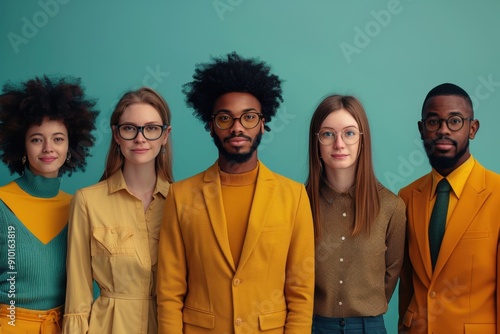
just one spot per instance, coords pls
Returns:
(421, 129)
(165, 134)
(474, 128)
(115, 134)
(262, 126)
(211, 127)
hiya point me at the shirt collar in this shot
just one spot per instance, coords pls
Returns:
(457, 178)
(116, 182)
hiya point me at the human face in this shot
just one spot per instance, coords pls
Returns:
(447, 149)
(339, 155)
(236, 143)
(47, 147)
(139, 150)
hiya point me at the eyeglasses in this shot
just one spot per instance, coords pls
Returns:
(350, 136)
(150, 131)
(454, 122)
(248, 120)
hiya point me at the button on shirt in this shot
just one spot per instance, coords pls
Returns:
(356, 275)
(112, 240)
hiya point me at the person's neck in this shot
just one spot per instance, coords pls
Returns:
(341, 179)
(140, 178)
(232, 167)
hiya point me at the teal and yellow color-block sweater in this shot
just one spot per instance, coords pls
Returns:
(33, 231)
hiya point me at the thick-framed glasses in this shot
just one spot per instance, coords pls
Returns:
(150, 131)
(454, 123)
(350, 136)
(248, 120)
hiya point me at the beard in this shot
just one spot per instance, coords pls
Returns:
(439, 162)
(237, 157)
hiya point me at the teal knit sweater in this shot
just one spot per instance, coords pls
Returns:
(32, 274)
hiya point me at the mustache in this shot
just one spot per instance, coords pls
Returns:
(434, 142)
(236, 136)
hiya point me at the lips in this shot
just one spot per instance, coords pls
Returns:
(140, 150)
(339, 156)
(48, 159)
(443, 144)
(237, 140)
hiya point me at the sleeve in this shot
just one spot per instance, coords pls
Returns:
(172, 271)
(79, 287)
(406, 281)
(395, 243)
(299, 283)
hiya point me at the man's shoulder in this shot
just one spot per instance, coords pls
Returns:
(414, 185)
(279, 178)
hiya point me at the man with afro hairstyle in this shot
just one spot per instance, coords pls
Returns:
(237, 242)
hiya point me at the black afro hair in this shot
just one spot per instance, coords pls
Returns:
(232, 73)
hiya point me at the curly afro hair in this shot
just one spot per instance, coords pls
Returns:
(30, 102)
(232, 73)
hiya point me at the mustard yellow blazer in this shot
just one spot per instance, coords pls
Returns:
(460, 296)
(199, 288)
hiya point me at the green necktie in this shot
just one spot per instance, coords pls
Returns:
(438, 219)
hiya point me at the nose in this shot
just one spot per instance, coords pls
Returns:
(47, 146)
(338, 142)
(140, 136)
(237, 127)
(443, 126)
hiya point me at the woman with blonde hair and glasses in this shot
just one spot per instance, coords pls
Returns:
(114, 225)
(359, 224)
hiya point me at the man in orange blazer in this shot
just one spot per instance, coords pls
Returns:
(457, 292)
(236, 250)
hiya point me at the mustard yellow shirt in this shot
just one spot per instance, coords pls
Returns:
(457, 180)
(113, 241)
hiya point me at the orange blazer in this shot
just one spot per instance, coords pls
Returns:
(199, 288)
(460, 296)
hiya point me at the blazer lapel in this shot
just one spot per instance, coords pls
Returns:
(213, 201)
(471, 200)
(420, 214)
(262, 203)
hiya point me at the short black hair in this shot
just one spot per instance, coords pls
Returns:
(232, 73)
(448, 89)
(27, 104)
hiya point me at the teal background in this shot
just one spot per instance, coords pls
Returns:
(387, 53)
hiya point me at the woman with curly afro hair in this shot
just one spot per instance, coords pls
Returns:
(45, 131)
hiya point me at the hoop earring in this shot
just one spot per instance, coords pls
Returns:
(68, 158)
(23, 160)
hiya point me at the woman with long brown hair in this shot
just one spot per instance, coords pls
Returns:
(359, 224)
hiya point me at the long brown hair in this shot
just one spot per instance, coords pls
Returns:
(366, 200)
(115, 160)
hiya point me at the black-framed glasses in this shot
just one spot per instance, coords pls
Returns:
(150, 131)
(248, 120)
(454, 123)
(350, 136)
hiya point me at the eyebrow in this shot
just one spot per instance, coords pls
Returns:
(135, 124)
(229, 112)
(54, 134)
(347, 127)
(453, 113)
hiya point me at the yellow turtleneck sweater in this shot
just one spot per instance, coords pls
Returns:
(237, 196)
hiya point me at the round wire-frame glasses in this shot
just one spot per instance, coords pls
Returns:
(350, 136)
(248, 120)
